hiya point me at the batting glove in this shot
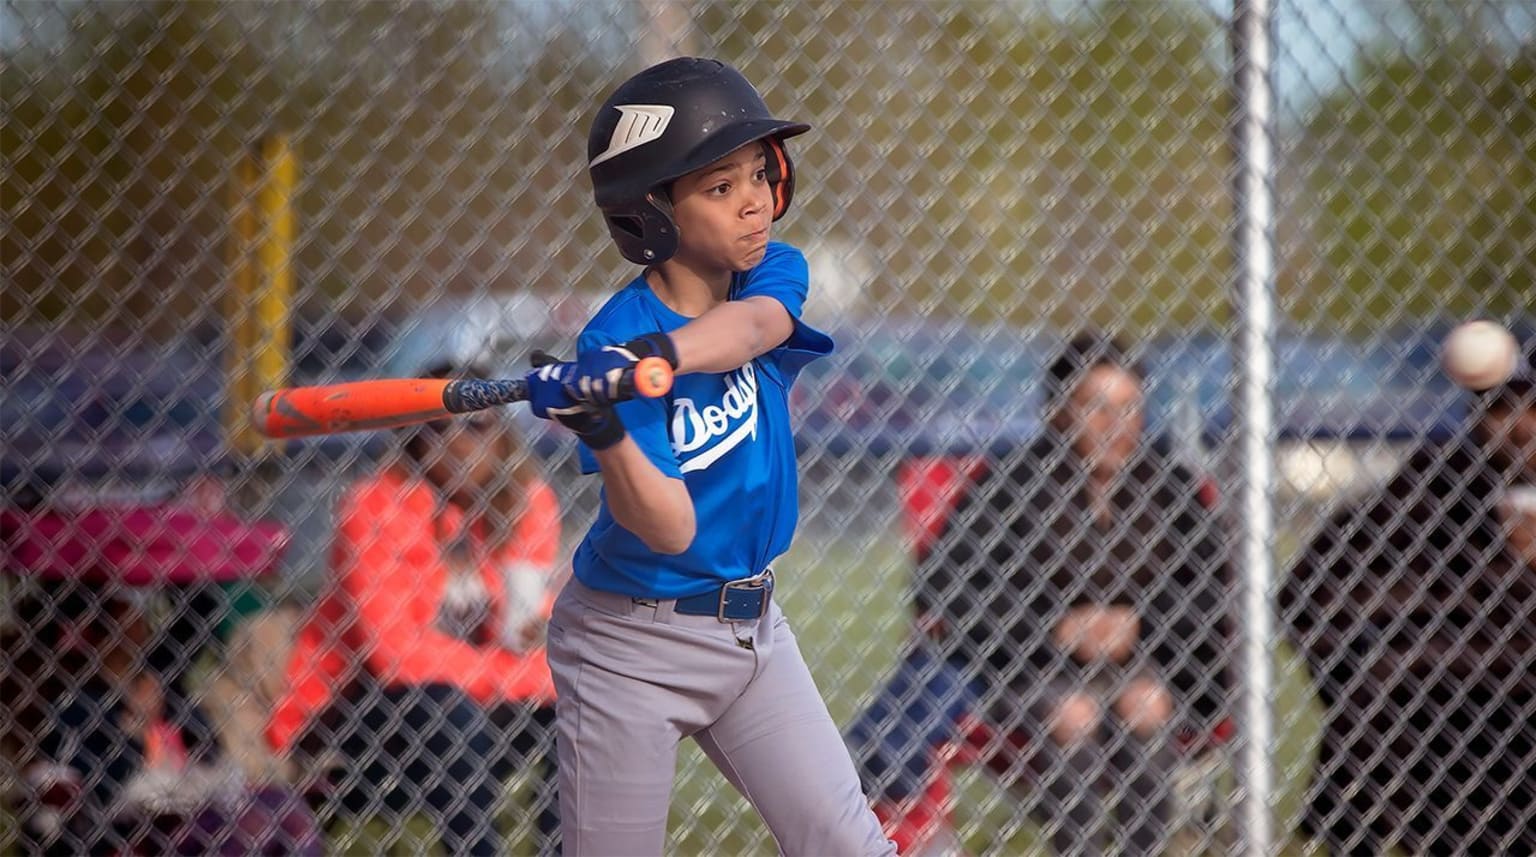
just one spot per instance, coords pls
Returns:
(600, 372)
(597, 425)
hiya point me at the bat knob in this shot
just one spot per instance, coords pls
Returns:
(653, 377)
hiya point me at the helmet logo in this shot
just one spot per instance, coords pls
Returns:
(638, 124)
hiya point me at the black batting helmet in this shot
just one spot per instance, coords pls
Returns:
(664, 123)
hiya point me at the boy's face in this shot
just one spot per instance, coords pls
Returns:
(723, 212)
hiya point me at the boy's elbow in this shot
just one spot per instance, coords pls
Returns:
(672, 542)
(775, 329)
(771, 324)
(665, 524)
(670, 545)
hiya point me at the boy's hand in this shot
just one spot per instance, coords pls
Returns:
(547, 396)
(599, 372)
(549, 399)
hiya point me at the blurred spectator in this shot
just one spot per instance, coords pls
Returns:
(99, 681)
(1075, 605)
(241, 697)
(123, 762)
(423, 666)
(1416, 610)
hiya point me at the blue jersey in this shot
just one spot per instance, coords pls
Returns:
(727, 436)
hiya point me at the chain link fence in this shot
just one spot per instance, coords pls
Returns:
(207, 200)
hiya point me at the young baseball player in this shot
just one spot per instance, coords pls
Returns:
(669, 629)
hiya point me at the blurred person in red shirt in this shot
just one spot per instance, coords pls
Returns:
(423, 667)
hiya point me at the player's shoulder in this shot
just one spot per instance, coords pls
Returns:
(782, 256)
(783, 272)
(624, 315)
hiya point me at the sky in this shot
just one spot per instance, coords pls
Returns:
(1320, 41)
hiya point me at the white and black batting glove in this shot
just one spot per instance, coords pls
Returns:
(597, 425)
(599, 372)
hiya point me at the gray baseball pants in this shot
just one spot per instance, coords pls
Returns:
(634, 679)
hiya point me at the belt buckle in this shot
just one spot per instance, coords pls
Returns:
(763, 580)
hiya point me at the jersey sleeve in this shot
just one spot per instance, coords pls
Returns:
(785, 276)
(644, 419)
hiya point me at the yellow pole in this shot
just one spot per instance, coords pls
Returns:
(261, 284)
(276, 262)
(238, 300)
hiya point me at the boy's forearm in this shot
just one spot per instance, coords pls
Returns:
(731, 335)
(643, 500)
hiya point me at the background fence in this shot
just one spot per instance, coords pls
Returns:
(206, 200)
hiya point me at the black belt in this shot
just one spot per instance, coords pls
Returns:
(737, 601)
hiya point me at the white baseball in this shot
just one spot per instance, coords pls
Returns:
(1478, 355)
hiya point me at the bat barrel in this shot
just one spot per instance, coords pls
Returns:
(356, 406)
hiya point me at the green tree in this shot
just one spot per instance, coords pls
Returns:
(440, 149)
(1003, 163)
(1422, 187)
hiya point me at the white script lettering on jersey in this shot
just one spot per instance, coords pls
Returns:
(700, 436)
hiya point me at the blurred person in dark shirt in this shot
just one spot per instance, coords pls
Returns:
(1077, 601)
(1416, 610)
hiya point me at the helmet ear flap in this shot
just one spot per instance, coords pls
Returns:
(645, 231)
(781, 175)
